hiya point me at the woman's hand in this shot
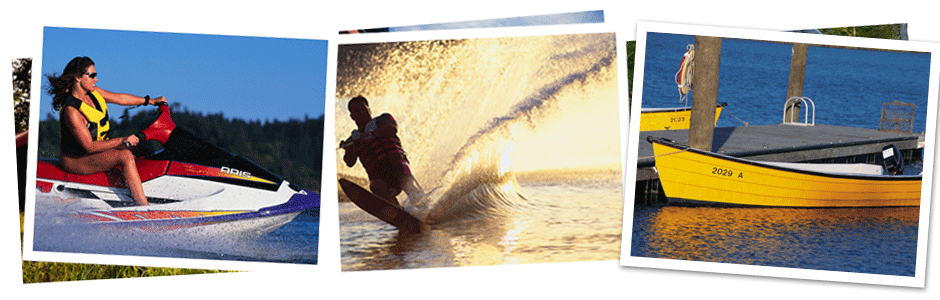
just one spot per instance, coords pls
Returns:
(130, 140)
(154, 101)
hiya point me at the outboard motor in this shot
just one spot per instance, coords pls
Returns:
(892, 160)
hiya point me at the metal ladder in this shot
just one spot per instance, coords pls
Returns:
(789, 120)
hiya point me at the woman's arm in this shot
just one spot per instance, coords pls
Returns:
(76, 124)
(126, 99)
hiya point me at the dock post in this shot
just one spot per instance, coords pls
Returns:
(795, 87)
(705, 93)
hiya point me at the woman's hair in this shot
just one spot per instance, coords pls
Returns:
(60, 86)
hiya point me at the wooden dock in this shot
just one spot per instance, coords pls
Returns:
(784, 143)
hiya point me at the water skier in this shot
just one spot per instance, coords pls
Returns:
(376, 144)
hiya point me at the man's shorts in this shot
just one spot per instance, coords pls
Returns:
(392, 170)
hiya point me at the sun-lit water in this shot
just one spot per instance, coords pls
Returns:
(474, 116)
(569, 216)
(866, 240)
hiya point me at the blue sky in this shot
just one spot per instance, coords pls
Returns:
(249, 78)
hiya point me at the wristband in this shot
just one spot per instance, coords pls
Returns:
(146, 100)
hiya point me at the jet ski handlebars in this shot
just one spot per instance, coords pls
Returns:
(154, 136)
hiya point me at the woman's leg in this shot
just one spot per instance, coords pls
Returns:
(103, 161)
(133, 179)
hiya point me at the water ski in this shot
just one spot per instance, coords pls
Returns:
(378, 207)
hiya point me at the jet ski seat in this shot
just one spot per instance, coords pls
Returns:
(49, 168)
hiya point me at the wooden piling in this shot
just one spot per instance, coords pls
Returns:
(795, 86)
(705, 94)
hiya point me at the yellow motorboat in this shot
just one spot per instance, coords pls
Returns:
(670, 118)
(694, 177)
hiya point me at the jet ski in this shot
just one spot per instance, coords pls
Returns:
(189, 183)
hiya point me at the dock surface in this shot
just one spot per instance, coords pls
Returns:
(784, 143)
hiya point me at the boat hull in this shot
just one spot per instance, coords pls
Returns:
(253, 222)
(670, 118)
(693, 177)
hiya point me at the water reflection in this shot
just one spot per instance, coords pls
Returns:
(866, 240)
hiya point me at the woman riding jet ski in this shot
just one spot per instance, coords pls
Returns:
(86, 145)
(189, 182)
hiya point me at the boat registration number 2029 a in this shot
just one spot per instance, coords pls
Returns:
(726, 172)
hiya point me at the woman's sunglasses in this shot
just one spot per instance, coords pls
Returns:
(92, 75)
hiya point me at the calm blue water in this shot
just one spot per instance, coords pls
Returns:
(847, 85)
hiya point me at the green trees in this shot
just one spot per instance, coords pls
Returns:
(631, 58)
(22, 70)
(890, 31)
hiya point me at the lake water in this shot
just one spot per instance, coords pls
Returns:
(848, 86)
(294, 242)
(865, 240)
(567, 216)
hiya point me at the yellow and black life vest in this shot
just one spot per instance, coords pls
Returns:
(99, 125)
(97, 116)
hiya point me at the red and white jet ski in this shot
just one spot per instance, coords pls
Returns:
(188, 182)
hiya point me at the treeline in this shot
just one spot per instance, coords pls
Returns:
(291, 149)
(887, 31)
(22, 72)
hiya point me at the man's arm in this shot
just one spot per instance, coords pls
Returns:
(351, 145)
(352, 153)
